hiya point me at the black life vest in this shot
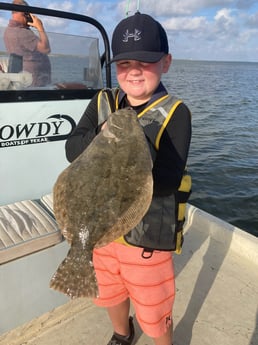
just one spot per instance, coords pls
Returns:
(162, 226)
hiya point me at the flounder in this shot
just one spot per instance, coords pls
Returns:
(100, 196)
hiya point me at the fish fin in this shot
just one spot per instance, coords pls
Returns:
(75, 276)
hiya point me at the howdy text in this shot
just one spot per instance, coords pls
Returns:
(57, 127)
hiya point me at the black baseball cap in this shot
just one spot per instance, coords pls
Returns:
(139, 37)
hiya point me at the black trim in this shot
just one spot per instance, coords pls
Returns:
(182, 197)
(45, 95)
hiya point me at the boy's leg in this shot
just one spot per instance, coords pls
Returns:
(119, 315)
(165, 339)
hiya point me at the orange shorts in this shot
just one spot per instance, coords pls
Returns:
(122, 272)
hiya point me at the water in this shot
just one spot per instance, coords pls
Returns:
(223, 159)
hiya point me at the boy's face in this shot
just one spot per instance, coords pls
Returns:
(140, 79)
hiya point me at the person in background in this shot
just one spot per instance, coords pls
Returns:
(34, 49)
(138, 267)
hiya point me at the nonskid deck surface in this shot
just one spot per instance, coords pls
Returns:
(26, 227)
(216, 301)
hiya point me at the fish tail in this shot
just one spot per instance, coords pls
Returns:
(75, 276)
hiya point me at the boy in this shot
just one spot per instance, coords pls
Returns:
(139, 266)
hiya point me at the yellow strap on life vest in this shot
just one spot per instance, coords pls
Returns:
(99, 97)
(152, 105)
(164, 124)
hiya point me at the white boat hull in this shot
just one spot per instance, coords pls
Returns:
(216, 302)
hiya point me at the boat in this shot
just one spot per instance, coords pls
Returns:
(216, 273)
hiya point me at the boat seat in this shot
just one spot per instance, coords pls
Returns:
(15, 64)
(27, 227)
(15, 81)
(47, 202)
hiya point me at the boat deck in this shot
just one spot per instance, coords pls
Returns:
(216, 302)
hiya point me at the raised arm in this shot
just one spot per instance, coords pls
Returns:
(43, 45)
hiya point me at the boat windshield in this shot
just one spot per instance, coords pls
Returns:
(74, 61)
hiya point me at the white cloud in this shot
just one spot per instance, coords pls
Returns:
(224, 15)
(91, 9)
(180, 8)
(66, 6)
(185, 23)
(252, 20)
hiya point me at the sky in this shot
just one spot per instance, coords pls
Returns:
(220, 30)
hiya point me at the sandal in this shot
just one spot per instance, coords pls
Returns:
(118, 339)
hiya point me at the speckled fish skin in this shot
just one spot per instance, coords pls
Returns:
(101, 196)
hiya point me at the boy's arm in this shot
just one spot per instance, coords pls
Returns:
(84, 132)
(173, 151)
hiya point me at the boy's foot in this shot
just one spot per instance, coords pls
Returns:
(118, 339)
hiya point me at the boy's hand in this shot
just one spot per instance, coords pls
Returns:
(104, 125)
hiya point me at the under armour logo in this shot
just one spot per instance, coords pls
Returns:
(136, 35)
